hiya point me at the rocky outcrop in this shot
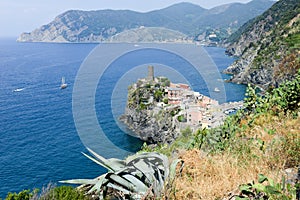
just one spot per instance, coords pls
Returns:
(267, 47)
(151, 127)
(151, 123)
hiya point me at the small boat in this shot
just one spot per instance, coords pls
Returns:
(63, 84)
(217, 89)
(18, 90)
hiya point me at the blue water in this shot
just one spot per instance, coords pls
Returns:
(38, 139)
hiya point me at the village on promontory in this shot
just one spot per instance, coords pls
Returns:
(158, 110)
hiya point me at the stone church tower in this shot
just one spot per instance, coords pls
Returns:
(150, 73)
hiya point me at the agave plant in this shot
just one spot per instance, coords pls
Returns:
(137, 177)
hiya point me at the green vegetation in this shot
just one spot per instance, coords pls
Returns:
(282, 101)
(165, 82)
(270, 43)
(181, 118)
(264, 138)
(158, 95)
(270, 191)
(281, 12)
(64, 193)
(141, 96)
(49, 193)
(166, 101)
(23, 195)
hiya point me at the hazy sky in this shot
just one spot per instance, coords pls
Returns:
(17, 16)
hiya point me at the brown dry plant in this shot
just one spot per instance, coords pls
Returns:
(218, 175)
(215, 176)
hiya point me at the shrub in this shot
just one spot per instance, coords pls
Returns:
(23, 195)
(269, 190)
(166, 101)
(64, 193)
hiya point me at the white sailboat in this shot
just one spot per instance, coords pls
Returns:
(63, 83)
(217, 89)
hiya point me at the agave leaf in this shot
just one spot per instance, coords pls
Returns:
(116, 187)
(137, 196)
(141, 187)
(146, 169)
(113, 163)
(103, 164)
(173, 168)
(162, 157)
(133, 157)
(117, 162)
(159, 160)
(80, 181)
(133, 176)
(134, 196)
(160, 178)
(158, 184)
(97, 187)
(122, 182)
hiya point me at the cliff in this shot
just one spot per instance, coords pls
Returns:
(268, 46)
(192, 20)
(142, 115)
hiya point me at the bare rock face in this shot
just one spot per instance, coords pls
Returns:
(149, 127)
(67, 27)
(265, 58)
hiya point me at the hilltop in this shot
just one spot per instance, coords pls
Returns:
(268, 46)
(189, 19)
(149, 34)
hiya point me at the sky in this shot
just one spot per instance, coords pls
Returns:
(17, 16)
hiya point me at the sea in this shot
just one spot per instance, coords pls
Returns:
(45, 129)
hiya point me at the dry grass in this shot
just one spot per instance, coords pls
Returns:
(281, 137)
(269, 126)
(216, 176)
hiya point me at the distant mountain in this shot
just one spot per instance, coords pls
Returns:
(268, 46)
(194, 21)
(149, 34)
(226, 19)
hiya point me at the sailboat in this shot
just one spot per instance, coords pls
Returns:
(63, 84)
(217, 89)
